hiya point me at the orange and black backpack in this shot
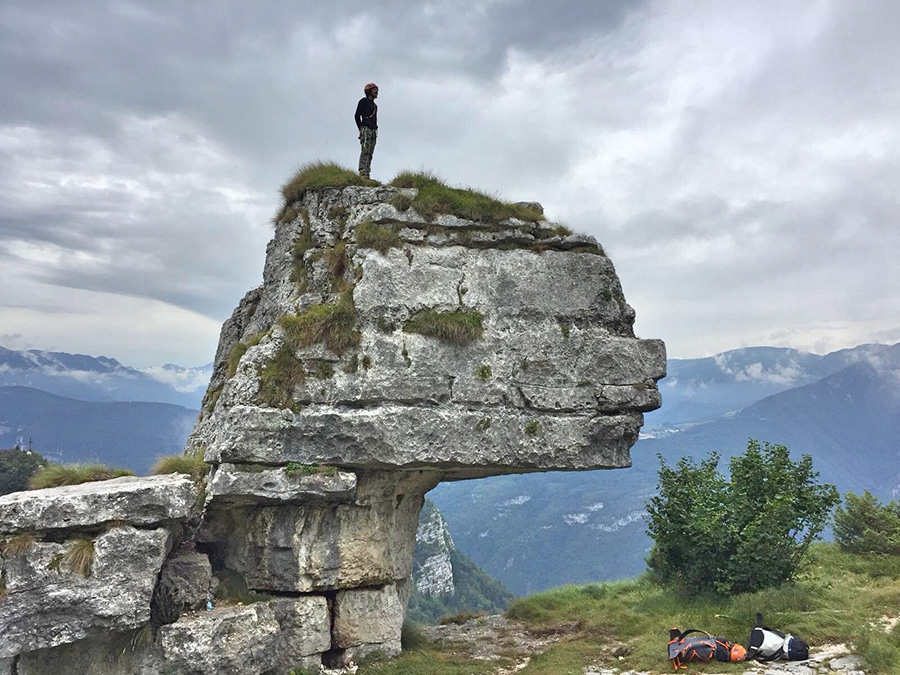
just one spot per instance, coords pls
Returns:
(685, 648)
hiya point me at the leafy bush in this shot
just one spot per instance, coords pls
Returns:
(863, 525)
(739, 535)
(56, 475)
(459, 327)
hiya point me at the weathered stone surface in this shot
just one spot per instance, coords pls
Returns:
(226, 640)
(138, 500)
(458, 441)
(260, 484)
(48, 603)
(305, 624)
(368, 617)
(557, 348)
(270, 638)
(188, 577)
(301, 548)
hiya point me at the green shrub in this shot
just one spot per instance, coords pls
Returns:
(484, 372)
(459, 327)
(863, 525)
(57, 475)
(435, 197)
(190, 463)
(532, 427)
(412, 637)
(380, 237)
(727, 537)
(334, 324)
(16, 469)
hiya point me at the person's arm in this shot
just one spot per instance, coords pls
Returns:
(359, 115)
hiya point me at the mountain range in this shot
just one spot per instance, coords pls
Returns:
(99, 378)
(130, 435)
(842, 408)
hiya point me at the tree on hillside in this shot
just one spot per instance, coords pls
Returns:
(16, 469)
(728, 536)
(864, 525)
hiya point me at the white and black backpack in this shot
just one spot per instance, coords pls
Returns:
(769, 644)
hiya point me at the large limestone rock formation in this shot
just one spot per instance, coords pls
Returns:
(389, 348)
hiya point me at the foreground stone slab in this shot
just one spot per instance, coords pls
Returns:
(49, 603)
(270, 638)
(260, 484)
(148, 500)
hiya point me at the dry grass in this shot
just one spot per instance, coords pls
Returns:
(435, 197)
(334, 324)
(382, 238)
(238, 350)
(57, 475)
(190, 463)
(78, 556)
(280, 377)
(460, 327)
(16, 545)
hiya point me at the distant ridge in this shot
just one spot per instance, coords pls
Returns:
(100, 378)
(842, 408)
(124, 434)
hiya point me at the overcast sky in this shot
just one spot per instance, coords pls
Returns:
(739, 162)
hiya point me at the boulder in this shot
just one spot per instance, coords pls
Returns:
(50, 602)
(145, 501)
(367, 620)
(188, 578)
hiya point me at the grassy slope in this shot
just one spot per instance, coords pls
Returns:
(836, 600)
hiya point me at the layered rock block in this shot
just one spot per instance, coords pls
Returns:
(390, 347)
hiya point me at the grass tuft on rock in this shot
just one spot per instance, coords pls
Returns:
(298, 470)
(334, 324)
(459, 327)
(190, 463)
(280, 377)
(78, 556)
(436, 197)
(316, 175)
(16, 545)
(57, 475)
(380, 237)
(238, 350)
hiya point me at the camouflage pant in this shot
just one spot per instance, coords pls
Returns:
(367, 139)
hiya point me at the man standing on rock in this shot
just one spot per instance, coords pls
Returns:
(367, 122)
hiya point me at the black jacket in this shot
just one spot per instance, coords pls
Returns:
(366, 113)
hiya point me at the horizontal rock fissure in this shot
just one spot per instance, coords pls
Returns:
(464, 406)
